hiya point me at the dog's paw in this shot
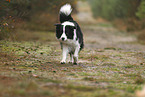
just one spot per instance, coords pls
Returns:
(62, 62)
(70, 62)
(75, 63)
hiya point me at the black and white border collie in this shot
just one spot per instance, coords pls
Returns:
(69, 35)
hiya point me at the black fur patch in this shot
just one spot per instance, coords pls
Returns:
(63, 17)
(69, 31)
(79, 34)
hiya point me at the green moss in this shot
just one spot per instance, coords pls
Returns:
(139, 79)
(89, 79)
(110, 48)
(108, 64)
(80, 87)
(129, 66)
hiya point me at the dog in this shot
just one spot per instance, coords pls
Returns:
(69, 35)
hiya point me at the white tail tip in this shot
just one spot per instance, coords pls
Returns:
(66, 9)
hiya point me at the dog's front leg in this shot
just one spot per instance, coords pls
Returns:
(76, 55)
(64, 54)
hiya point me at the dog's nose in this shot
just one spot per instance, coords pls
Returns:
(62, 38)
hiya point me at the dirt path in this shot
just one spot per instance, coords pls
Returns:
(102, 35)
(111, 65)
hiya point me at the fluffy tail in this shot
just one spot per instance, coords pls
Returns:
(65, 13)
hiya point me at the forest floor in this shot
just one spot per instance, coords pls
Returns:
(111, 65)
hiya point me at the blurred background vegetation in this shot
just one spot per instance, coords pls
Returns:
(128, 15)
(29, 15)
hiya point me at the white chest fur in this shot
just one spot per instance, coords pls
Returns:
(70, 44)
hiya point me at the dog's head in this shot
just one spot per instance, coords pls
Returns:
(65, 31)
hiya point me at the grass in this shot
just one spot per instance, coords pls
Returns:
(30, 69)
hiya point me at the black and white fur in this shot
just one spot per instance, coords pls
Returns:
(69, 35)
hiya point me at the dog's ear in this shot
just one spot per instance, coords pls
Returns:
(57, 24)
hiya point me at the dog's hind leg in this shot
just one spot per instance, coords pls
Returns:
(71, 58)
